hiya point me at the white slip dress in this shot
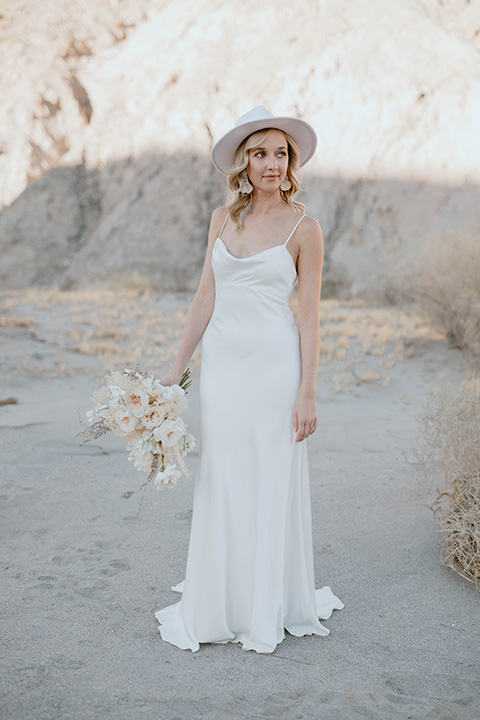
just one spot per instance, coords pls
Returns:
(249, 572)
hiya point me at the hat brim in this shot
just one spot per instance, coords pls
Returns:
(223, 152)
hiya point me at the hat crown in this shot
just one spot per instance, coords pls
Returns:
(258, 113)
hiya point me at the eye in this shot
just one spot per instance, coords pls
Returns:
(260, 152)
(282, 152)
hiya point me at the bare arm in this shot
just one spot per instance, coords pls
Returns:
(310, 265)
(201, 307)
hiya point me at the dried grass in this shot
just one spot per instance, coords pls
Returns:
(461, 548)
(449, 446)
(359, 343)
(136, 282)
(19, 322)
(444, 284)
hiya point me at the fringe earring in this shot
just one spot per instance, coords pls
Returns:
(286, 184)
(245, 187)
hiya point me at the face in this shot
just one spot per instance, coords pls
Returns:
(268, 163)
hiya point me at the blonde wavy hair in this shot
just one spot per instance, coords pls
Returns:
(237, 201)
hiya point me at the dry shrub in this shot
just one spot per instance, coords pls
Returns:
(135, 282)
(444, 283)
(461, 548)
(449, 443)
(13, 321)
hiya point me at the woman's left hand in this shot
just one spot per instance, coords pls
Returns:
(304, 417)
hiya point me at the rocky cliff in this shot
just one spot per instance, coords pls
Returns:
(109, 110)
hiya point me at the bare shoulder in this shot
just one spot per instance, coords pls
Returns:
(218, 216)
(310, 235)
(219, 212)
(310, 226)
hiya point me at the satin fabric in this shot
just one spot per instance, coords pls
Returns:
(249, 573)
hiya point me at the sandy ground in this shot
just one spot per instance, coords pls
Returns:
(82, 576)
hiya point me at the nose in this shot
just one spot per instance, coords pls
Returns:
(272, 163)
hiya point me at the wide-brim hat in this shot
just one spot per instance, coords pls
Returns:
(223, 152)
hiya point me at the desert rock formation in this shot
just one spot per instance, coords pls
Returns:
(109, 110)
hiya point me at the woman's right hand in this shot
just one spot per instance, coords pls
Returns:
(171, 378)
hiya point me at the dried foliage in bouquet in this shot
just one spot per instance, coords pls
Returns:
(135, 406)
(449, 442)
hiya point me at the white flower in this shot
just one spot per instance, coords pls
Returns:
(141, 459)
(186, 444)
(169, 476)
(149, 384)
(176, 396)
(125, 421)
(137, 401)
(115, 394)
(92, 415)
(146, 443)
(153, 417)
(169, 432)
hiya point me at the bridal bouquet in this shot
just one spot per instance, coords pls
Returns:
(135, 406)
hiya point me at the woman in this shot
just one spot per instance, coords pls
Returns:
(249, 569)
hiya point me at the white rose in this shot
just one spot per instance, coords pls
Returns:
(176, 396)
(169, 432)
(125, 421)
(153, 416)
(169, 476)
(137, 402)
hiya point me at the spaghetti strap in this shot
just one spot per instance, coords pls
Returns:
(298, 223)
(224, 223)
